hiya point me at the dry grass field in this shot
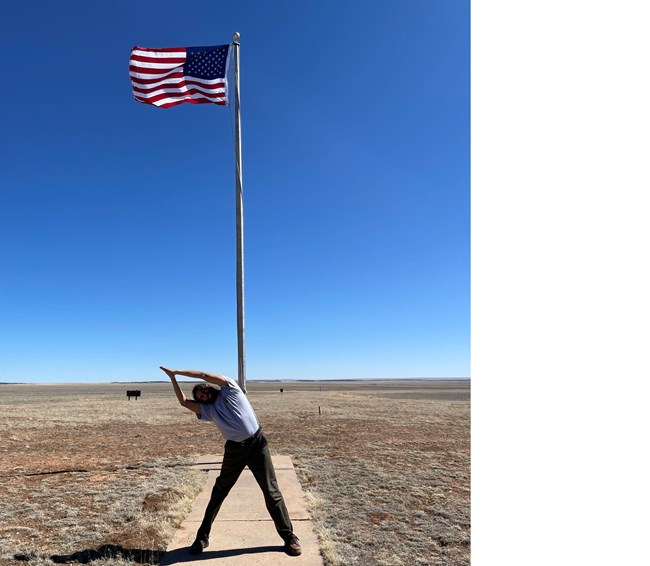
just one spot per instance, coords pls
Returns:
(89, 477)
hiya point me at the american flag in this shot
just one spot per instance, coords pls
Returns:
(170, 76)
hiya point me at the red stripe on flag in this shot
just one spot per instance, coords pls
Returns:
(161, 49)
(180, 84)
(181, 101)
(141, 59)
(150, 71)
(182, 95)
(176, 75)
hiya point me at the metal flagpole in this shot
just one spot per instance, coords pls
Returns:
(241, 366)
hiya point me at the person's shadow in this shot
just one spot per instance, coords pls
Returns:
(110, 551)
(144, 556)
(180, 555)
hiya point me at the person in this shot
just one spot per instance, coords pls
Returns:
(229, 409)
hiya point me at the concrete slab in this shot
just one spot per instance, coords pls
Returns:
(246, 501)
(243, 533)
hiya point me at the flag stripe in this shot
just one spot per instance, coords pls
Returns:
(172, 77)
(173, 101)
(140, 59)
(179, 87)
(221, 93)
(147, 72)
(160, 95)
(161, 52)
(148, 85)
(144, 66)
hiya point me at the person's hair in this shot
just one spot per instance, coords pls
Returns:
(200, 386)
(213, 389)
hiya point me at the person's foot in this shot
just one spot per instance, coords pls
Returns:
(292, 546)
(198, 545)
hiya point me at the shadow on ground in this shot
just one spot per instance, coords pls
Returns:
(145, 556)
(141, 556)
(182, 554)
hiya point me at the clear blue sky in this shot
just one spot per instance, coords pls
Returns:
(117, 219)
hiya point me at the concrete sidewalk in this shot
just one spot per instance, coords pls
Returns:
(243, 533)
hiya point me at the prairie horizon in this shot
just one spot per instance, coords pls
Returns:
(248, 381)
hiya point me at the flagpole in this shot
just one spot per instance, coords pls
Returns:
(241, 354)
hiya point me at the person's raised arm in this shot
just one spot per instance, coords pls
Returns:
(214, 378)
(184, 401)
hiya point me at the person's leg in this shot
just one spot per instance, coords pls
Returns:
(234, 461)
(260, 463)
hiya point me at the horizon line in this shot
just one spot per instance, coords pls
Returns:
(113, 382)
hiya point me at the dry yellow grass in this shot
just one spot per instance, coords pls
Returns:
(88, 475)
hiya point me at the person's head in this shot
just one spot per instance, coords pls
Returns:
(205, 393)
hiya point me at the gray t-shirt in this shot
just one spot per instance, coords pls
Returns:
(231, 413)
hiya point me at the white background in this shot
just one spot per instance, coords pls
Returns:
(560, 261)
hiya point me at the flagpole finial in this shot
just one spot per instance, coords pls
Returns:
(236, 36)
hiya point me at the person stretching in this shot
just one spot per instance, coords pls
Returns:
(229, 409)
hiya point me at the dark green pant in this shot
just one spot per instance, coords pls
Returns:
(254, 453)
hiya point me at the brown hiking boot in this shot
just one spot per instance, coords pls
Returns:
(292, 546)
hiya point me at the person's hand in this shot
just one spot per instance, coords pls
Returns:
(169, 372)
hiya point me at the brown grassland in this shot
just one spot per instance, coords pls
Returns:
(87, 476)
